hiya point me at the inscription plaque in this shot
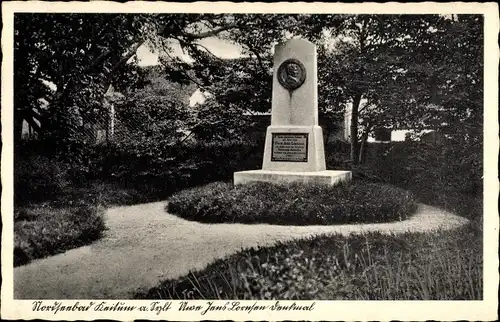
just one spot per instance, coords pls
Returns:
(289, 147)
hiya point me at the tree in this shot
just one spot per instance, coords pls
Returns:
(78, 57)
(155, 111)
(230, 80)
(236, 86)
(393, 69)
(71, 65)
(396, 69)
(358, 58)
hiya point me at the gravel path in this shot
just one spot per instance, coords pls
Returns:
(144, 245)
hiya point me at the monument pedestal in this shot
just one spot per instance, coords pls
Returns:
(325, 177)
(294, 150)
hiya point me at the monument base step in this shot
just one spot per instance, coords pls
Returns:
(327, 177)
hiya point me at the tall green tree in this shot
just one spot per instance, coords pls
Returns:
(65, 70)
(402, 71)
(236, 87)
(69, 65)
(395, 70)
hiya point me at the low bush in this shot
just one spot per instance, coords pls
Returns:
(70, 220)
(43, 230)
(157, 169)
(38, 178)
(448, 175)
(293, 204)
(98, 193)
(411, 266)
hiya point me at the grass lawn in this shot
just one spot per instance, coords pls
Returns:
(439, 265)
(72, 220)
(413, 266)
(41, 230)
(293, 204)
(424, 266)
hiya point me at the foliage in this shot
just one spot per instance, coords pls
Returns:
(80, 56)
(413, 70)
(155, 169)
(147, 168)
(396, 70)
(50, 217)
(41, 169)
(448, 176)
(40, 231)
(158, 83)
(217, 122)
(53, 212)
(404, 72)
(62, 73)
(39, 178)
(293, 204)
(410, 266)
(152, 120)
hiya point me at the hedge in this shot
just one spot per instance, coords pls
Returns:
(293, 204)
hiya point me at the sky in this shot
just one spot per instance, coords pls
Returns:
(219, 47)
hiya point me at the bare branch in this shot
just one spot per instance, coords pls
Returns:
(256, 53)
(212, 32)
(99, 60)
(208, 51)
(187, 44)
(186, 137)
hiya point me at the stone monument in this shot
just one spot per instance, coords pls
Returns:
(294, 149)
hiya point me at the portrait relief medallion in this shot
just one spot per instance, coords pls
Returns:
(291, 74)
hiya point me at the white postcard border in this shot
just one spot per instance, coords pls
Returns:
(323, 310)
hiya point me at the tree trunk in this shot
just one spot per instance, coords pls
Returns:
(354, 128)
(362, 149)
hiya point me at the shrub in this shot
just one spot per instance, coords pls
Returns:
(158, 170)
(447, 175)
(337, 154)
(71, 220)
(411, 266)
(44, 230)
(38, 178)
(293, 204)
